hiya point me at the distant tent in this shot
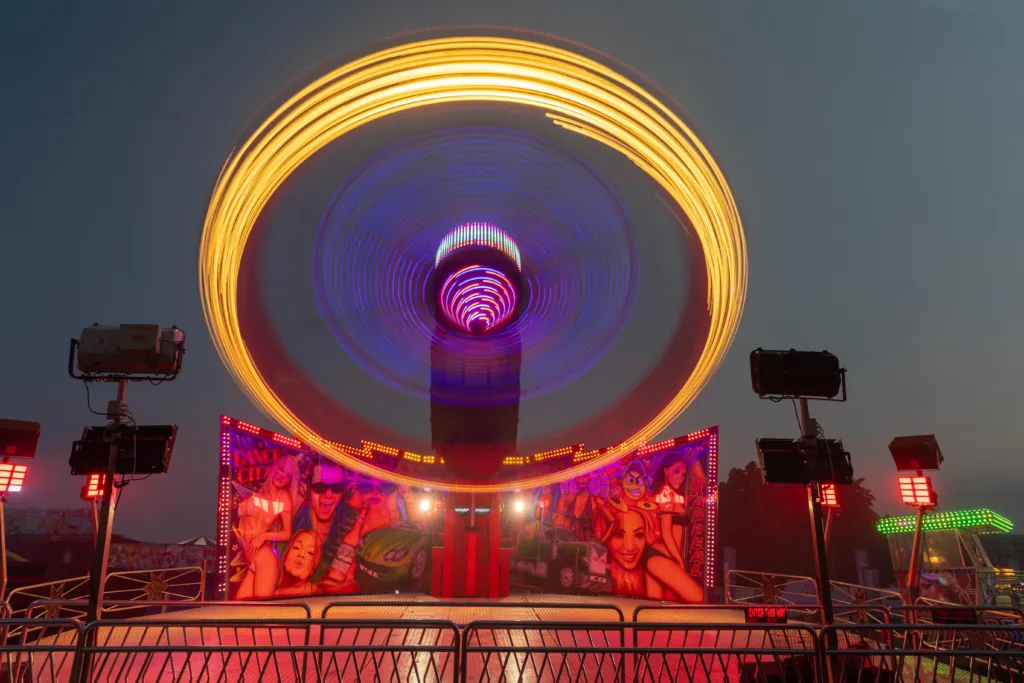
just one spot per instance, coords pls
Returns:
(198, 540)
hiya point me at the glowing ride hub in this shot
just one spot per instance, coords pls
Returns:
(577, 93)
(478, 279)
(476, 354)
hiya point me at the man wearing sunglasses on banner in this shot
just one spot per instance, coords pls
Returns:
(380, 499)
(320, 513)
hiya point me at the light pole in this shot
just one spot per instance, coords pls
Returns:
(916, 454)
(128, 353)
(18, 443)
(917, 491)
(810, 460)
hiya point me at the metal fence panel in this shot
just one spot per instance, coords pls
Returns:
(217, 611)
(724, 652)
(544, 652)
(238, 650)
(424, 651)
(463, 612)
(48, 656)
(924, 653)
(717, 614)
(280, 650)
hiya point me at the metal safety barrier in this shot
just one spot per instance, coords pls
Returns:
(280, 650)
(50, 655)
(626, 653)
(435, 650)
(127, 609)
(424, 651)
(807, 615)
(946, 613)
(544, 651)
(724, 652)
(766, 588)
(923, 653)
(461, 612)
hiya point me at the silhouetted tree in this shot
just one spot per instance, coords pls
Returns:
(769, 526)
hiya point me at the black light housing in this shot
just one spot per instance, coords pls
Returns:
(143, 450)
(785, 461)
(796, 374)
(916, 453)
(18, 439)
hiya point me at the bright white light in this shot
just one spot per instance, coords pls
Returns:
(520, 506)
(425, 505)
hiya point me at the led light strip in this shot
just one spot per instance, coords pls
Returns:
(477, 294)
(577, 93)
(943, 521)
(478, 234)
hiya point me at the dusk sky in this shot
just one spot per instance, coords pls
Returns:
(874, 148)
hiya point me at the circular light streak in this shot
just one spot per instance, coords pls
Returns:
(577, 93)
(478, 234)
(477, 299)
(377, 243)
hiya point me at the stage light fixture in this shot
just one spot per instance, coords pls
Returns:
(916, 453)
(785, 461)
(796, 374)
(18, 439)
(425, 505)
(520, 507)
(138, 352)
(918, 491)
(144, 449)
(828, 496)
(12, 477)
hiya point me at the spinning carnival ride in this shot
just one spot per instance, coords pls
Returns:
(467, 277)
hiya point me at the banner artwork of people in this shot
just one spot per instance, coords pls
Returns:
(304, 525)
(637, 528)
(295, 523)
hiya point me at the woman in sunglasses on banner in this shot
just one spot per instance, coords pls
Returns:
(265, 517)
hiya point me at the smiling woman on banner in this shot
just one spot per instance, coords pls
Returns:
(264, 518)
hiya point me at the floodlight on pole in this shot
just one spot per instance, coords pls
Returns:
(121, 354)
(917, 454)
(797, 374)
(811, 460)
(18, 442)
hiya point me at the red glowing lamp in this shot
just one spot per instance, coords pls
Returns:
(917, 491)
(828, 496)
(12, 477)
(94, 487)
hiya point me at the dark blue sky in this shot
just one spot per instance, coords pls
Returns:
(874, 148)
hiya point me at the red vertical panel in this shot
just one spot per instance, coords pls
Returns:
(494, 547)
(505, 555)
(471, 561)
(450, 525)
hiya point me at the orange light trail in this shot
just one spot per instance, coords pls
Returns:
(577, 93)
